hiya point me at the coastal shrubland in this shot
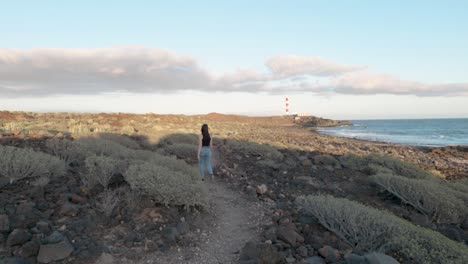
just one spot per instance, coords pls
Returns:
(18, 163)
(434, 199)
(165, 186)
(182, 150)
(99, 170)
(367, 229)
(254, 149)
(381, 163)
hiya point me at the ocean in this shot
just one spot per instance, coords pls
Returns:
(417, 132)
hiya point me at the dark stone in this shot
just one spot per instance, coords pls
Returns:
(354, 259)
(289, 235)
(302, 251)
(315, 260)
(77, 199)
(270, 234)
(14, 261)
(259, 253)
(80, 225)
(69, 209)
(25, 208)
(54, 252)
(183, 228)
(44, 227)
(379, 258)
(54, 238)
(4, 223)
(23, 220)
(29, 249)
(18, 237)
(330, 254)
(170, 234)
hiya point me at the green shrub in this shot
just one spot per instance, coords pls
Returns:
(18, 163)
(433, 199)
(368, 229)
(106, 202)
(460, 188)
(169, 162)
(102, 147)
(380, 163)
(326, 160)
(99, 170)
(65, 149)
(173, 139)
(182, 151)
(123, 140)
(165, 185)
(254, 149)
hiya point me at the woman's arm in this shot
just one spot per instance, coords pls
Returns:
(199, 146)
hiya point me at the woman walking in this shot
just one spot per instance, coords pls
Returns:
(204, 152)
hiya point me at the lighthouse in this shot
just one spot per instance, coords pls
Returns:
(287, 105)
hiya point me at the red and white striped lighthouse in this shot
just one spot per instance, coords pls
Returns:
(287, 105)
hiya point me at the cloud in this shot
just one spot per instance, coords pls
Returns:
(373, 83)
(291, 65)
(44, 72)
(90, 71)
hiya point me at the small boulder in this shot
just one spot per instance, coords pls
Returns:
(77, 199)
(18, 237)
(261, 189)
(54, 252)
(29, 249)
(302, 251)
(330, 254)
(259, 253)
(105, 258)
(54, 238)
(355, 259)
(315, 260)
(68, 209)
(14, 261)
(43, 227)
(289, 235)
(379, 258)
(170, 234)
(4, 223)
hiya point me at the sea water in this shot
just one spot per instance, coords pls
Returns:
(419, 132)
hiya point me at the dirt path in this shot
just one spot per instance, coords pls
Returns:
(237, 220)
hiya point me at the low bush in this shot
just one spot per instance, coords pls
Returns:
(99, 170)
(190, 139)
(169, 162)
(106, 202)
(65, 149)
(433, 199)
(182, 151)
(368, 229)
(102, 147)
(254, 149)
(326, 160)
(166, 186)
(460, 188)
(123, 140)
(380, 163)
(17, 163)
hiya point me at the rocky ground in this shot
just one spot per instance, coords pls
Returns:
(253, 216)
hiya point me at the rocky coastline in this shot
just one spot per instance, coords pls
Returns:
(270, 161)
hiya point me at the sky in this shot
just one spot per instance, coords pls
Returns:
(336, 59)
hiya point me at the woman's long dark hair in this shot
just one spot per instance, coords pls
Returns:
(204, 131)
